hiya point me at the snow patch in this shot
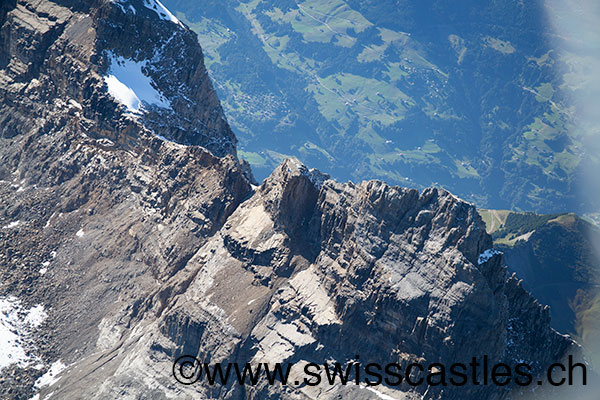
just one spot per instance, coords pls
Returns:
(316, 177)
(377, 392)
(42, 271)
(13, 224)
(50, 377)
(105, 142)
(164, 139)
(16, 325)
(122, 93)
(35, 316)
(486, 255)
(118, 3)
(49, 219)
(75, 104)
(11, 350)
(162, 11)
(128, 84)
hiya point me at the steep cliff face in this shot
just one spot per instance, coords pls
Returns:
(556, 256)
(152, 66)
(128, 219)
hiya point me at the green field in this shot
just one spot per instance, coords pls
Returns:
(359, 91)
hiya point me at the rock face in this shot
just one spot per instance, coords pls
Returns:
(52, 55)
(556, 258)
(141, 234)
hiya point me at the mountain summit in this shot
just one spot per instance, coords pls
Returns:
(151, 65)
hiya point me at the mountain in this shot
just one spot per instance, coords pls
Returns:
(485, 99)
(555, 256)
(131, 234)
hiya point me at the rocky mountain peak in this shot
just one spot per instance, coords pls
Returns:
(290, 195)
(163, 64)
(129, 62)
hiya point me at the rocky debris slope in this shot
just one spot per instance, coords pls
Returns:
(140, 249)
